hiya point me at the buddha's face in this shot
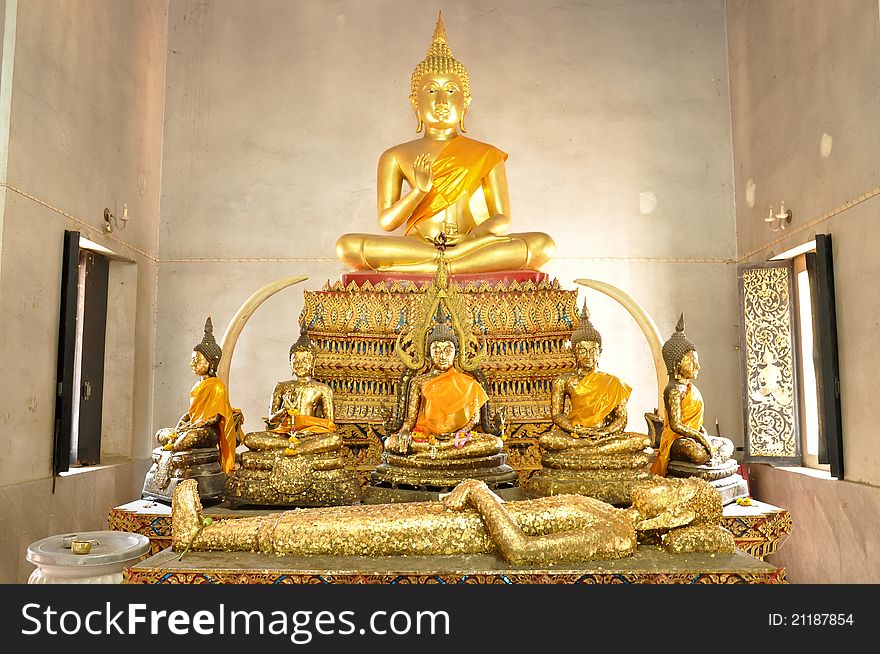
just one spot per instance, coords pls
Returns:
(440, 103)
(586, 353)
(302, 363)
(442, 355)
(199, 363)
(689, 366)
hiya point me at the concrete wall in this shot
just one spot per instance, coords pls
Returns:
(805, 96)
(276, 113)
(85, 133)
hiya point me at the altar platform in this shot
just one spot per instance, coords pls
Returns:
(649, 565)
(759, 530)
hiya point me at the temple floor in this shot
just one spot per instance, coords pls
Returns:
(649, 565)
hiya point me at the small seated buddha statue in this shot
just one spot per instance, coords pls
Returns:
(443, 171)
(298, 459)
(685, 448)
(442, 434)
(190, 448)
(589, 452)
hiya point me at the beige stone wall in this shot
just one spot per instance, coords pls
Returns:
(86, 112)
(834, 533)
(805, 92)
(805, 96)
(615, 117)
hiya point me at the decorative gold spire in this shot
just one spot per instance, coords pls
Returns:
(586, 331)
(439, 59)
(441, 304)
(676, 347)
(208, 346)
(442, 331)
(303, 343)
(440, 29)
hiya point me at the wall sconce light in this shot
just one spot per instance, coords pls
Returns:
(112, 222)
(779, 220)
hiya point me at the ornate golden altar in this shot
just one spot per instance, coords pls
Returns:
(649, 565)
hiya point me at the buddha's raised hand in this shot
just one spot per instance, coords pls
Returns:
(424, 172)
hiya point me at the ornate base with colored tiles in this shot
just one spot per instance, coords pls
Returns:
(758, 530)
(649, 565)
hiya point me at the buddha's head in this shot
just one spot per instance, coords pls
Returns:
(302, 356)
(440, 86)
(206, 354)
(672, 502)
(586, 341)
(680, 354)
(442, 343)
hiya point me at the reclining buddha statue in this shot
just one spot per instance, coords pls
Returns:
(684, 448)
(441, 432)
(190, 448)
(444, 171)
(589, 452)
(682, 516)
(297, 460)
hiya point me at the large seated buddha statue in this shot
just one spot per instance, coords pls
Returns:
(685, 449)
(443, 172)
(297, 460)
(189, 450)
(589, 452)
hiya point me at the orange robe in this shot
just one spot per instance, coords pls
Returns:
(449, 401)
(596, 396)
(458, 169)
(691, 416)
(208, 398)
(302, 422)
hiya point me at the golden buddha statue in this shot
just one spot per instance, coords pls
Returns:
(685, 449)
(443, 171)
(470, 520)
(441, 432)
(589, 452)
(298, 459)
(443, 407)
(189, 449)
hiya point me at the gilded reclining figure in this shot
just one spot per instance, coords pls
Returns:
(683, 514)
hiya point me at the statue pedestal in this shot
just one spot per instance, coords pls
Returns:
(724, 477)
(311, 480)
(582, 470)
(390, 495)
(605, 486)
(407, 479)
(649, 565)
(170, 468)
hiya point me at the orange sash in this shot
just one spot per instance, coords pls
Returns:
(312, 424)
(458, 169)
(302, 422)
(595, 396)
(208, 398)
(691, 416)
(449, 401)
